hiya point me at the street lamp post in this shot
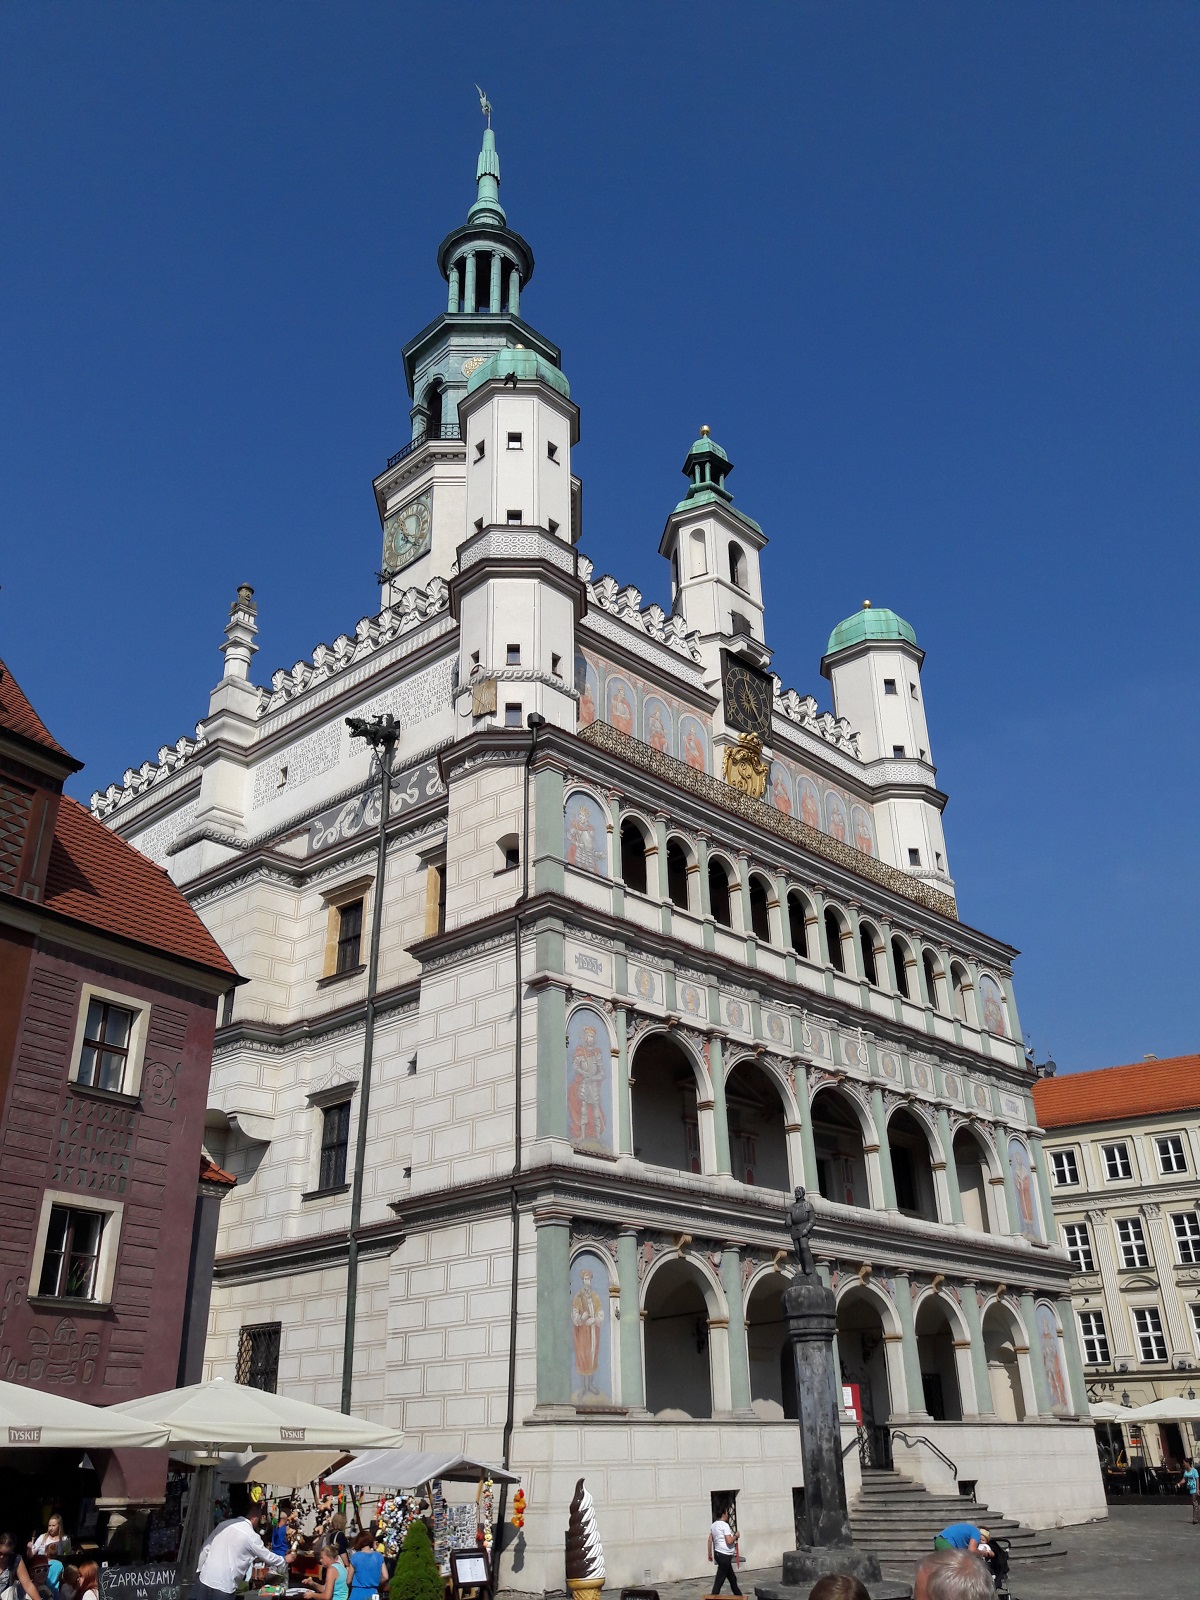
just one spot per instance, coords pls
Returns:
(381, 733)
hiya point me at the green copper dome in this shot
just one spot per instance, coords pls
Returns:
(873, 624)
(520, 363)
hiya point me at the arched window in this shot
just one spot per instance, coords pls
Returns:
(960, 983)
(433, 411)
(760, 915)
(737, 565)
(798, 916)
(870, 946)
(633, 856)
(674, 575)
(665, 1116)
(718, 893)
(677, 874)
(932, 975)
(901, 956)
(699, 554)
(912, 1169)
(835, 933)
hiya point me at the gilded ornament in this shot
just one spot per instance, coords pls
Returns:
(745, 768)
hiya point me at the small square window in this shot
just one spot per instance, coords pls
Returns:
(480, 449)
(349, 936)
(478, 524)
(281, 780)
(898, 751)
(514, 442)
(553, 526)
(474, 658)
(512, 716)
(1116, 1160)
(72, 1254)
(513, 655)
(516, 518)
(889, 686)
(912, 689)
(258, 1356)
(938, 858)
(1170, 1153)
(105, 1055)
(551, 451)
(914, 858)
(512, 857)
(556, 666)
(1064, 1168)
(921, 754)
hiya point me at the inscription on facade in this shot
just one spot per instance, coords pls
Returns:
(293, 767)
(589, 967)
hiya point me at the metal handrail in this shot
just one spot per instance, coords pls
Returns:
(909, 1439)
(448, 430)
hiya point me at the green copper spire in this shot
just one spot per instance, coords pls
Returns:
(487, 207)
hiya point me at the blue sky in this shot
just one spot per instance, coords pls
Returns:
(928, 271)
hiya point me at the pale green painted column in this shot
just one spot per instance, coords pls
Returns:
(912, 1360)
(716, 1063)
(494, 298)
(1010, 1188)
(554, 1313)
(943, 1122)
(1046, 1204)
(1070, 1335)
(514, 293)
(469, 283)
(624, 1111)
(633, 1391)
(739, 1360)
(660, 838)
(885, 1154)
(702, 869)
(1041, 1387)
(616, 856)
(807, 1143)
(452, 299)
(979, 1366)
(552, 1063)
(547, 831)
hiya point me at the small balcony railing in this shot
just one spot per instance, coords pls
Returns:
(448, 430)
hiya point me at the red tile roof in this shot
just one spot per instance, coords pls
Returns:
(1142, 1089)
(96, 878)
(18, 716)
(210, 1172)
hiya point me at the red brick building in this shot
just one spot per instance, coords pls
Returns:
(109, 987)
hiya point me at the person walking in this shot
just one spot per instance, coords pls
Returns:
(232, 1548)
(1190, 1484)
(368, 1568)
(723, 1552)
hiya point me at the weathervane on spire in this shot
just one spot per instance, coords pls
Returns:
(485, 105)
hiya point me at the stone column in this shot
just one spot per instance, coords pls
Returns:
(452, 298)
(552, 1063)
(633, 1392)
(1070, 1339)
(514, 293)
(469, 283)
(739, 1360)
(1037, 1158)
(716, 1070)
(1041, 1387)
(807, 1143)
(621, 1066)
(885, 1154)
(553, 1312)
(979, 1366)
(1010, 1188)
(702, 869)
(955, 1193)
(810, 1312)
(912, 1359)
(496, 297)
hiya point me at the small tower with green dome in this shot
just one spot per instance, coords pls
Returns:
(873, 662)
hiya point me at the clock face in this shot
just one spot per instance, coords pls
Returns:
(748, 698)
(406, 533)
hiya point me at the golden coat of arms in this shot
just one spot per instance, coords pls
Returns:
(745, 768)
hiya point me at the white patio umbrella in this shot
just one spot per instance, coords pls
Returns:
(31, 1419)
(1109, 1411)
(1174, 1409)
(219, 1415)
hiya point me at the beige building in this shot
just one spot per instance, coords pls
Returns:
(1123, 1150)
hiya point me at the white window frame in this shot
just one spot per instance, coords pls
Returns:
(1083, 1244)
(1067, 1155)
(136, 1052)
(1136, 1243)
(1194, 1312)
(106, 1263)
(1096, 1338)
(1121, 1145)
(1186, 1239)
(1143, 1334)
(1175, 1140)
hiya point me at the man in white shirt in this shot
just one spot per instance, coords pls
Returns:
(231, 1549)
(722, 1549)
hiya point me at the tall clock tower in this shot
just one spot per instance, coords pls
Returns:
(422, 494)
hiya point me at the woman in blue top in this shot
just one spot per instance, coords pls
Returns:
(332, 1584)
(370, 1569)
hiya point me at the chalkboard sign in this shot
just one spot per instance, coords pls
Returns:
(152, 1580)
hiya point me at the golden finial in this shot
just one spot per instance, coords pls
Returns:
(704, 430)
(866, 605)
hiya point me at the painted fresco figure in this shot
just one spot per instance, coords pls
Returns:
(585, 1096)
(802, 1219)
(581, 838)
(587, 1318)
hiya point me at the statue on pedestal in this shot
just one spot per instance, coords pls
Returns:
(802, 1219)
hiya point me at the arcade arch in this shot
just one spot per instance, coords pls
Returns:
(841, 1156)
(757, 1118)
(938, 1357)
(634, 853)
(679, 1306)
(869, 1355)
(1003, 1346)
(663, 1106)
(973, 1170)
(772, 1370)
(912, 1169)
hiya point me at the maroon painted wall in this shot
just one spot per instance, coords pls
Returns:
(145, 1154)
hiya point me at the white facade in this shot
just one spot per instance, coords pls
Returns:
(693, 998)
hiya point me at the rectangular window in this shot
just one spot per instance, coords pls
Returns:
(105, 1053)
(1132, 1240)
(435, 898)
(516, 518)
(258, 1356)
(1187, 1237)
(1194, 1308)
(514, 442)
(1064, 1167)
(914, 858)
(552, 451)
(556, 666)
(349, 936)
(1116, 1160)
(1095, 1338)
(889, 686)
(513, 655)
(480, 449)
(898, 752)
(912, 689)
(72, 1253)
(335, 1142)
(1148, 1325)
(1170, 1153)
(512, 715)
(1079, 1246)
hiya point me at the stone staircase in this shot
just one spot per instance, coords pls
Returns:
(897, 1519)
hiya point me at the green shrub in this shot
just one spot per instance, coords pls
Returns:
(416, 1576)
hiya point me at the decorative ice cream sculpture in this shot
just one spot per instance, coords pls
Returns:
(585, 1554)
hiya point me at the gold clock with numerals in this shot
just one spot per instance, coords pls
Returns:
(406, 533)
(748, 699)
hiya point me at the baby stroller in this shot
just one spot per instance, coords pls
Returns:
(997, 1565)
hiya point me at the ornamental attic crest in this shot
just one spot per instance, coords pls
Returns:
(745, 768)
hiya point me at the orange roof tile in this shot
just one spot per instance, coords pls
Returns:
(1113, 1094)
(98, 879)
(19, 717)
(210, 1172)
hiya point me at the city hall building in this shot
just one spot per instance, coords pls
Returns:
(659, 940)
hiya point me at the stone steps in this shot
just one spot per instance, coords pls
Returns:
(897, 1519)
